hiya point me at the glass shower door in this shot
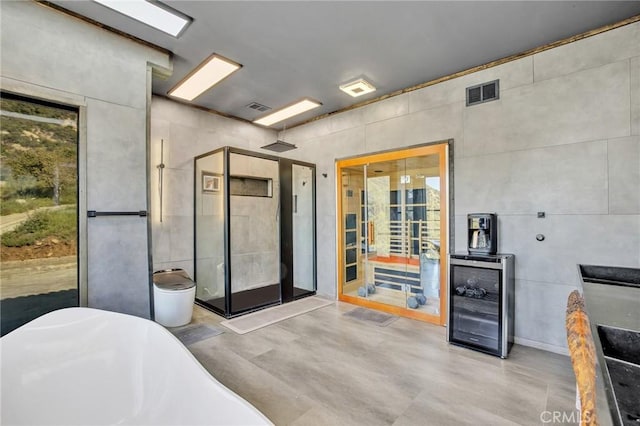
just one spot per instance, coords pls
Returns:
(254, 244)
(303, 229)
(209, 215)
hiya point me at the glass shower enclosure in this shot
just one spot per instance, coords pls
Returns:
(254, 230)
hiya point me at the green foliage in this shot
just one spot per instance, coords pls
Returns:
(35, 109)
(32, 134)
(12, 206)
(60, 224)
(38, 158)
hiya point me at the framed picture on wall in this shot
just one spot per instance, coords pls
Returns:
(210, 182)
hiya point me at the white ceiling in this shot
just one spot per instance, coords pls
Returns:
(291, 50)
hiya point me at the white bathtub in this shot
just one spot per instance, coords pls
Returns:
(81, 366)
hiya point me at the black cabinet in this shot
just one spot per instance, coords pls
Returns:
(481, 296)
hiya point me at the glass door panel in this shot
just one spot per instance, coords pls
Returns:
(387, 254)
(352, 235)
(254, 245)
(210, 194)
(303, 178)
(39, 210)
(393, 237)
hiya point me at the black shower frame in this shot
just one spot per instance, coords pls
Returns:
(287, 290)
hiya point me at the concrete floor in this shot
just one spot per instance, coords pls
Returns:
(323, 368)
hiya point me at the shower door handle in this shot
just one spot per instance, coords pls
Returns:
(370, 231)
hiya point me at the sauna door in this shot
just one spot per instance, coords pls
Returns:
(392, 232)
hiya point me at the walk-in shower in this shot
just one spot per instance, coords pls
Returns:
(254, 230)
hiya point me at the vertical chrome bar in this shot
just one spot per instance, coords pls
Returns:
(161, 175)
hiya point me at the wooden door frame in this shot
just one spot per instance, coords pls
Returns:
(442, 149)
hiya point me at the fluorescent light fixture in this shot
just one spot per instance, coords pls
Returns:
(154, 14)
(357, 88)
(287, 112)
(214, 69)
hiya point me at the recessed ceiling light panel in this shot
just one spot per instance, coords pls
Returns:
(287, 112)
(357, 88)
(214, 69)
(154, 14)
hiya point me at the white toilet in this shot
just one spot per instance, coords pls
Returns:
(174, 293)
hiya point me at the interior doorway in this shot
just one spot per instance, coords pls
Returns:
(39, 210)
(392, 239)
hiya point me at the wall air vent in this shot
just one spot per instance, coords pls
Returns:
(258, 107)
(484, 92)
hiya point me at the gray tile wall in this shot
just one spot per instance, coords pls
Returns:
(51, 55)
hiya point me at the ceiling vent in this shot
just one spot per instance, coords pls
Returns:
(258, 107)
(484, 92)
(279, 146)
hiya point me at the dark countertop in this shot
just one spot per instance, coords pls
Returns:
(612, 298)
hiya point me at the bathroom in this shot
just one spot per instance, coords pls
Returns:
(585, 175)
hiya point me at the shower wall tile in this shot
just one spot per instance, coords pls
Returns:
(209, 279)
(591, 52)
(624, 175)
(210, 230)
(266, 268)
(241, 236)
(264, 231)
(241, 272)
(161, 240)
(187, 265)
(181, 238)
(177, 200)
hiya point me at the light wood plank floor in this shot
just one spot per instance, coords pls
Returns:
(323, 368)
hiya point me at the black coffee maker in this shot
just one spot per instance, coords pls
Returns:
(482, 236)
